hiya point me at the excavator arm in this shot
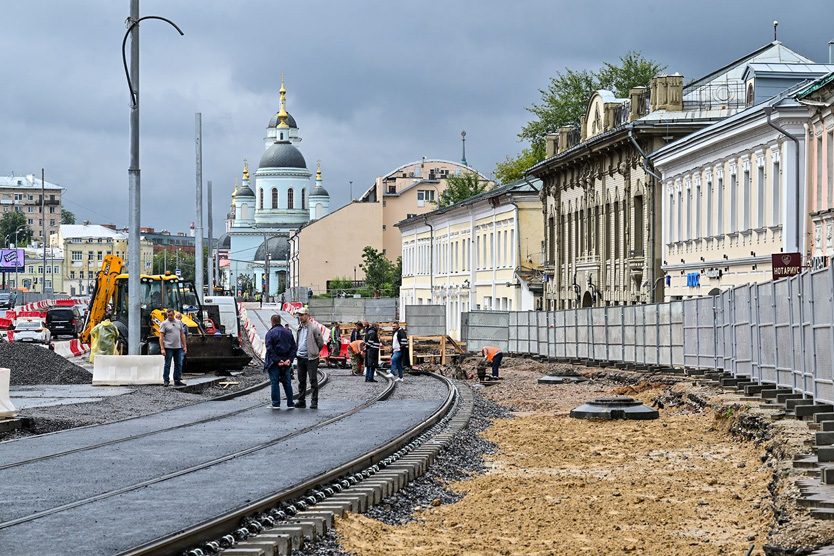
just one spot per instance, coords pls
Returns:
(103, 291)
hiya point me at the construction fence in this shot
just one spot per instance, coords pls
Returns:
(351, 309)
(779, 332)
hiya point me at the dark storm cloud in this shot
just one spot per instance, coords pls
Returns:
(373, 85)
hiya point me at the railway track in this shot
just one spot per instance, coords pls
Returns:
(168, 482)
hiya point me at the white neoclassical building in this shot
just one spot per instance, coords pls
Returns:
(734, 192)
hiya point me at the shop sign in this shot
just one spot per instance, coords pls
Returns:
(786, 265)
(713, 273)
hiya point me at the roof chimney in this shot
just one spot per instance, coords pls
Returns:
(831, 52)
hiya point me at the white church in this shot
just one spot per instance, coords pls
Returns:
(262, 216)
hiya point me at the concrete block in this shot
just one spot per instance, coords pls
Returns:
(290, 530)
(254, 551)
(409, 469)
(827, 426)
(7, 409)
(374, 492)
(771, 392)
(359, 500)
(824, 416)
(824, 438)
(827, 475)
(825, 453)
(334, 509)
(782, 398)
(400, 476)
(312, 527)
(387, 486)
(119, 370)
(756, 388)
(269, 548)
(813, 409)
(314, 512)
(795, 402)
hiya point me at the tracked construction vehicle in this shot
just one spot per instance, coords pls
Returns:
(206, 353)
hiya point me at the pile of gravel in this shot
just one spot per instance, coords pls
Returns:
(32, 364)
(461, 458)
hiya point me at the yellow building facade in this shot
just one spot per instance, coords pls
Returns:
(484, 254)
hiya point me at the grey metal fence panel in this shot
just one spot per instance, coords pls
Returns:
(765, 309)
(650, 332)
(691, 336)
(755, 351)
(543, 331)
(377, 310)
(428, 320)
(582, 333)
(629, 334)
(599, 316)
(729, 332)
(615, 334)
(707, 336)
(821, 282)
(487, 328)
(798, 365)
(676, 325)
(783, 330)
(741, 331)
(808, 347)
(553, 339)
(513, 340)
(571, 334)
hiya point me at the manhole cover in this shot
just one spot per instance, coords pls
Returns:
(614, 408)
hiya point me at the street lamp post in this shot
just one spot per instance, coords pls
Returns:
(134, 183)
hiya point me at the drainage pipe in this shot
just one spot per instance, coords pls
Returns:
(768, 110)
(651, 231)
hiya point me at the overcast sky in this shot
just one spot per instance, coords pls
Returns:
(372, 85)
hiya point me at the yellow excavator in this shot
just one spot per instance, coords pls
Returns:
(206, 353)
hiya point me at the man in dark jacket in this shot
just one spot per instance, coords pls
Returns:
(371, 352)
(280, 352)
(356, 333)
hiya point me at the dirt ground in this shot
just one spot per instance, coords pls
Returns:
(693, 482)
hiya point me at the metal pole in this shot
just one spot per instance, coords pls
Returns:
(210, 241)
(43, 221)
(198, 239)
(134, 197)
(266, 269)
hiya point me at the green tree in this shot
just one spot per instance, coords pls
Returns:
(67, 217)
(461, 187)
(381, 275)
(565, 101)
(11, 222)
(513, 168)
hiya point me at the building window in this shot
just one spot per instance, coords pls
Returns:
(261, 198)
(31, 269)
(100, 256)
(274, 200)
(819, 172)
(77, 255)
(745, 209)
(733, 203)
(776, 184)
(51, 210)
(719, 212)
(291, 199)
(55, 270)
(709, 200)
(760, 198)
(303, 197)
(697, 233)
(679, 216)
(72, 275)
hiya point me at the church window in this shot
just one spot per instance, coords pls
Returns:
(303, 197)
(261, 193)
(319, 210)
(274, 198)
(291, 199)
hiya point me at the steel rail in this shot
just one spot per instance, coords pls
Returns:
(226, 523)
(324, 378)
(109, 494)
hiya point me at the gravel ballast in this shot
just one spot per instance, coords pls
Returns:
(32, 364)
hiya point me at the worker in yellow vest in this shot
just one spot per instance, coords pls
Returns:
(493, 355)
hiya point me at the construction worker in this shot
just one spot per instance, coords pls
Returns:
(103, 338)
(493, 355)
(335, 345)
(371, 352)
(356, 349)
(356, 333)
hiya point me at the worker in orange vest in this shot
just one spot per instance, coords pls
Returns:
(356, 349)
(493, 355)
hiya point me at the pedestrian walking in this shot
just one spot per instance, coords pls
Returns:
(280, 352)
(493, 355)
(371, 352)
(309, 341)
(172, 345)
(399, 348)
(356, 349)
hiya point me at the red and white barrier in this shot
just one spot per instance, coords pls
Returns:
(7, 409)
(71, 348)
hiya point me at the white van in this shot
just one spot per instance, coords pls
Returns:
(229, 317)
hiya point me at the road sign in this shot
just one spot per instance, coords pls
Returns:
(178, 272)
(240, 282)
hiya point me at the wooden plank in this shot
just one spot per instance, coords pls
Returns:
(443, 350)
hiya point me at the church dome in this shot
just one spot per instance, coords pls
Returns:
(245, 191)
(282, 155)
(319, 191)
(225, 241)
(279, 248)
(290, 121)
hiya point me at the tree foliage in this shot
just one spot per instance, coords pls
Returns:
(11, 222)
(67, 217)
(461, 187)
(565, 101)
(381, 275)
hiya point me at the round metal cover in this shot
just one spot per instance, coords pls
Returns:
(614, 408)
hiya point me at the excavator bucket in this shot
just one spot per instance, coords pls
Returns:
(214, 354)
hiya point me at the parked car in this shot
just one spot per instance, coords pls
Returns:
(64, 320)
(32, 330)
(8, 299)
